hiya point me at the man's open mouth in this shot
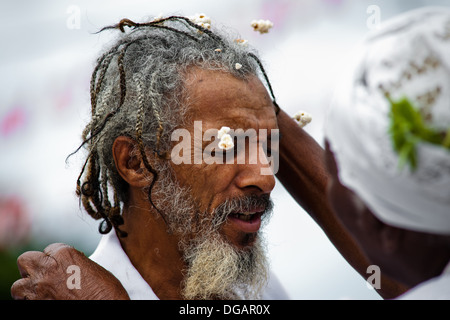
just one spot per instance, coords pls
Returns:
(248, 222)
(246, 216)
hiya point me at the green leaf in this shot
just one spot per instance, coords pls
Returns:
(407, 128)
(446, 142)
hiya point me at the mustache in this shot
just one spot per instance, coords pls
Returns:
(253, 203)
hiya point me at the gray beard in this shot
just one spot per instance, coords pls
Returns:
(218, 270)
(215, 268)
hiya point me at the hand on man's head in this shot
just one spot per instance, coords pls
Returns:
(63, 273)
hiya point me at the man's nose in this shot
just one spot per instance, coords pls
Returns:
(257, 175)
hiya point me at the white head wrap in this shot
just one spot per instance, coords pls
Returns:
(408, 56)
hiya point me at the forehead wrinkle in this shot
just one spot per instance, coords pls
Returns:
(219, 99)
(208, 85)
(240, 113)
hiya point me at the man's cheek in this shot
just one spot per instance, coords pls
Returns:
(211, 183)
(213, 178)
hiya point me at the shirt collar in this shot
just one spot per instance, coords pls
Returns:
(111, 256)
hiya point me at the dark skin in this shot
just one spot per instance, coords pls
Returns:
(44, 276)
(407, 256)
(302, 171)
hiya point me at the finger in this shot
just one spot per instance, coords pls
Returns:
(53, 248)
(61, 254)
(22, 289)
(26, 262)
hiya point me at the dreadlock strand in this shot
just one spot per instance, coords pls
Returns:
(96, 83)
(266, 78)
(122, 23)
(92, 87)
(78, 190)
(88, 207)
(111, 212)
(103, 69)
(101, 108)
(139, 129)
(104, 186)
(154, 103)
(102, 65)
(159, 24)
(175, 30)
(123, 86)
(196, 26)
(95, 133)
(90, 188)
(140, 125)
(116, 197)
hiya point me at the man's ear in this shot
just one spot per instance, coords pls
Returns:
(129, 164)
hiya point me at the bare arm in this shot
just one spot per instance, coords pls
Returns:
(303, 173)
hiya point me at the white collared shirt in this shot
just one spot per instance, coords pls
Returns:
(110, 255)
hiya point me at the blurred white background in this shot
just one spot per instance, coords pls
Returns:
(47, 54)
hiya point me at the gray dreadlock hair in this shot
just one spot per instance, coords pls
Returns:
(137, 90)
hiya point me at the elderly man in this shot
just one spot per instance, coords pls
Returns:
(177, 227)
(393, 112)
